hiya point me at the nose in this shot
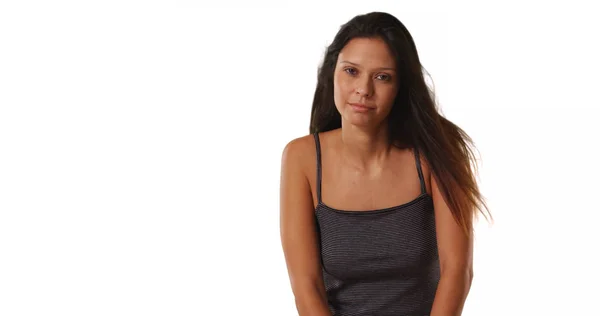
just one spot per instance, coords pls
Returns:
(364, 88)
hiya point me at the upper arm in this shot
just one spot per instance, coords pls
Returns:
(297, 222)
(455, 248)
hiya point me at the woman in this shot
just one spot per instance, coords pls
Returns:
(378, 202)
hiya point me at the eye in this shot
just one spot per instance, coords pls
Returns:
(352, 71)
(386, 77)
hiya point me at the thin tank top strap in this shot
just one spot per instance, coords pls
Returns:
(318, 146)
(420, 171)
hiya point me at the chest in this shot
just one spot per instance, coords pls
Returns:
(352, 191)
(387, 242)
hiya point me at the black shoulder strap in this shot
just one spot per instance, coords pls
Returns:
(421, 178)
(318, 145)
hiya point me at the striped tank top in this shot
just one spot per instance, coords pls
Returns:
(378, 262)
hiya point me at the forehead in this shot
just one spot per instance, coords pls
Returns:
(368, 52)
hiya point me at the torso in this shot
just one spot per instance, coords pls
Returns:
(376, 232)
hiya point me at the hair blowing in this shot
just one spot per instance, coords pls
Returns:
(414, 120)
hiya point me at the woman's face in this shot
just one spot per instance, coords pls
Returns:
(365, 82)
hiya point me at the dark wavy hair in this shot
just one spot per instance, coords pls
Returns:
(414, 120)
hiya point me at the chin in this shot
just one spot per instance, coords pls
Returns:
(363, 120)
(360, 120)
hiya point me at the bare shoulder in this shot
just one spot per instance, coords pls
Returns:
(297, 153)
(298, 146)
(299, 158)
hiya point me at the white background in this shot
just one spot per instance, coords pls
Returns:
(140, 147)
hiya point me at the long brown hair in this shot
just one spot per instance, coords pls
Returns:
(414, 119)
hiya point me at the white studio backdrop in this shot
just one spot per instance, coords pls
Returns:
(140, 147)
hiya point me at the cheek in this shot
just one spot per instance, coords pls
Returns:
(340, 91)
(385, 99)
(388, 95)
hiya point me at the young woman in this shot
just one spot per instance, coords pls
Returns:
(378, 201)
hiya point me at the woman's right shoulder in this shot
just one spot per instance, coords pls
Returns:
(306, 145)
(297, 166)
(298, 151)
(299, 144)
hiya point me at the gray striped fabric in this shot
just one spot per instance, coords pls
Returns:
(379, 262)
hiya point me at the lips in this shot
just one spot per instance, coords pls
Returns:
(360, 108)
(360, 105)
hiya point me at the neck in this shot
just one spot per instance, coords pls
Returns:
(365, 149)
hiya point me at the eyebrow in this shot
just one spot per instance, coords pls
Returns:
(382, 68)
